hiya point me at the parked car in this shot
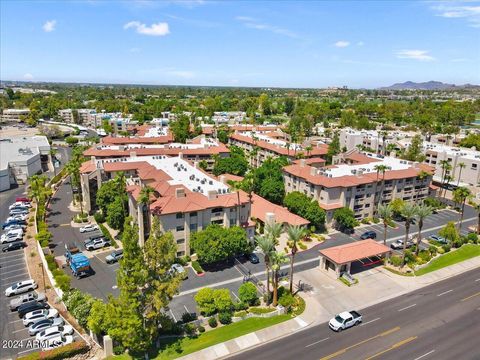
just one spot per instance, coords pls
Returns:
(14, 246)
(31, 306)
(88, 228)
(397, 245)
(177, 268)
(21, 287)
(19, 204)
(345, 320)
(11, 236)
(253, 258)
(18, 212)
(57, 342)
(368, 235)
(94, 237)
(22, 199)
(53, 332)
(114, 256)
(22, 299)
(15, 226)
(97, 244)
(44, 324)
(21, 217)
(438, 239)
(37, 315)
(7, 224)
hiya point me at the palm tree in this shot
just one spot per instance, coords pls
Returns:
(461, 165)
(385, 212)
(380, 169)
(273, 230)
(384, 137)
(422, 212)
(421, 176)
(276, 261)
(144, 199)
(236, 186)
(267, 247)
(445, 165)
(308, 149)
(295, 233)
(247, 185)
(461, 194)
(476, 207)
(409, 211)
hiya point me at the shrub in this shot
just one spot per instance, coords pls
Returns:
(459, 242)
(446, 248)
(187, 317)
(287, 300)
(302, 246)
(196, 266)
(225, 317)
(223, 300)
(212, 322)
(433, 250)
(206, 301)
(395, 260)
(201, 329)
(376, 220)
(240, 313)
(64, 352)
(425, 255)
(99, 217)
(260, 310)
(118, 349)
(107, 234)
(472, 238)
(366, 221)
(190, 329)
(441, 250)
(240, 306)
(247, 293)
(52, 265)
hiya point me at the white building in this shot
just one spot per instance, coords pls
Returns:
(14, 114)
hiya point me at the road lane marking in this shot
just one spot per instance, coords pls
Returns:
(317, 342)
(445, 292)
(368, 322)
(344, 350)
(394, 346)
(471, 296)
(408, 307)
(420, 357)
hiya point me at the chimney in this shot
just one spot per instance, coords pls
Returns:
(269, 218)
(222, 179)
(133, 154)
(180, 155)
(212, 194)
(93, 160)
(302, 162)
(179, 193)
(313, 171)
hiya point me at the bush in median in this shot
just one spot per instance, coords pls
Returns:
(247, 292)
(64, 352)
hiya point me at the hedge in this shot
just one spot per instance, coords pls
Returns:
(107, 234)
(77, 347)
(196, 266)
(260, 310)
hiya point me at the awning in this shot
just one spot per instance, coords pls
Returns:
(358, 250)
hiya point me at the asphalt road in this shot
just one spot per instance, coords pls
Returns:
(438, 322)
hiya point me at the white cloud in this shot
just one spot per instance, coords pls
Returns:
(252, 23)
(421, 55)
(342, 44)
(49, 26)
(459, 10)
(158, 29)
(28, 76)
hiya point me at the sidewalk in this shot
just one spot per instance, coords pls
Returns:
(325, 297)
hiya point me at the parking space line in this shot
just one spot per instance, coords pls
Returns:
(14, 276)
(8, 255)
(235, 295)
(15, 321)
(8, 272)
(174, 318)
(10, 261)
(16, 331)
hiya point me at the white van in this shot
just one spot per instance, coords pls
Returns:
(11, 236)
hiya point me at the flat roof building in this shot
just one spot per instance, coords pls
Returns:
(16, 115)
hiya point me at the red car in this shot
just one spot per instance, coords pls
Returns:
(22, 199)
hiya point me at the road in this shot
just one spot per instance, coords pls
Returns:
(438, 322)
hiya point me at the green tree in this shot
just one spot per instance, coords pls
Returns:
(267, 247)
(223, 300)
(268, 180)
(397, 206)
(205, 300)
(415, 150)
(96, 319)
(305, 207)
(460, 195)
(295, 234)
(247, 292)
(450, 232)
(276, 260)
(423, 211)
(181, 129)
(115, 214)
(333, 148)
(235, 164)
(345, 218)
(409, 212)
(217, 243)
(385, 213)
(70, 140)
(147, 195)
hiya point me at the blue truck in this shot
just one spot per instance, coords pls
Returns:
(78, 262)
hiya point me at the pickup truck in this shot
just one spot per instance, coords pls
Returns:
(345, 320)
(78, 262)
(97, 244)
(398, 245)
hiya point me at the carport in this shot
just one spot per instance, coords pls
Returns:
(338, 259)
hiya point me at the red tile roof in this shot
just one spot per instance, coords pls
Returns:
(119, 140)
(354, 251)
(261, 206)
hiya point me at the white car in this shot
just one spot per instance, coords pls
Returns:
(57, 342)
(18, 217)
(14, 227)
(19, 204)
(44, 324)
(37, 315)
(21, 287)
(97, 244)
(11, 236)
(17, 211)
(88, 228)
(54, 331)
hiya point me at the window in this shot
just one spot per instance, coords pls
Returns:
(474, 166)
(217, 210)
(180, 253)
(232, 209)
(180, 228)
(179, 215)
(218, 222)
(193, 227)
(180, 241)
(193, 213)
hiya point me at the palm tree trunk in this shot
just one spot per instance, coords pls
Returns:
(420, 225)
(459, 174)
(407, 230)
(275, 288)
(385, 233)
(238, 208)
(461, 217)
(292, 261)
(267, 272)
(71, 187)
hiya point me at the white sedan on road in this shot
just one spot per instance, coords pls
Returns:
(88, 228)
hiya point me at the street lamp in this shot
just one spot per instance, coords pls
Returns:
(43, 276)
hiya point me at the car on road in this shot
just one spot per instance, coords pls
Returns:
(179, 269)
(88, 228)
(57, 342)
(398, 245)
(37, 315)
(31, 306)
(44, 324)
(368, 235)
(21, 287)
(253, 258)
(53, 332)
(114, 256)
(25, 298)
(97, 244)
(14, 246)
(344, 320)
(438, 239)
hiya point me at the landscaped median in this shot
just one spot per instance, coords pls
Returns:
(466, 252)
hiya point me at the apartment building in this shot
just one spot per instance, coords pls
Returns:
(85, 116)
(357, 184)
(377, 141)
(186, 199)
(263, 145)
(200, 149)
(14, 115)
(464, 163)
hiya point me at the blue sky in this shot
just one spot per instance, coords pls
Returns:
(243, 43)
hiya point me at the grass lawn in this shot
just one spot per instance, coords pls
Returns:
(464, 253)
(169, 349)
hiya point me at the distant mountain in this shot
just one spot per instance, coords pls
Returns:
(429, 85)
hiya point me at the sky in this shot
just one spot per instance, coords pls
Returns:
(311, 44)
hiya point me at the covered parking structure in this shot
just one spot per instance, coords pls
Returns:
(338, 259)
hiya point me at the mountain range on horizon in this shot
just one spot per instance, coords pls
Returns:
(429, 85)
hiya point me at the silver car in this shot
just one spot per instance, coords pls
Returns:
(44, 324)
(15, 303)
